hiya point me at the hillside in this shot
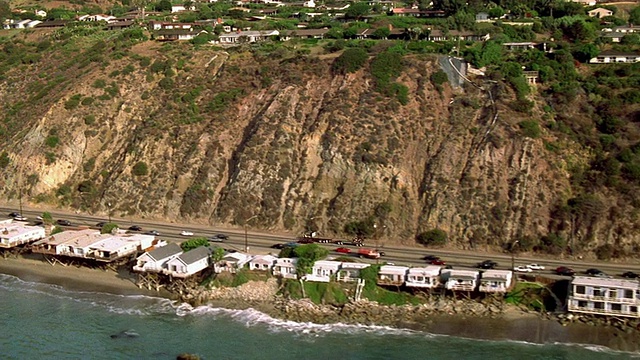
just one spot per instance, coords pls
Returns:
(275, 134)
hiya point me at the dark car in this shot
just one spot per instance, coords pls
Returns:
(630, 275)
(63, 222)
(214, 239)
(135, 228)
(566, 271)
(101, 224)
(438, 262)
(278, 246)
(594, 272)
(153, 232)
(305, 241)
(14, 214)
(430, 257)
(221, 236)
(487, 264)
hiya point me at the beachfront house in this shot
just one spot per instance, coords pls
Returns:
(424, 277)
(156, 260)
(323, 270)
(605, 296)
(231, 262)
(392, 275)
(112, 248)
(286, 268)
(495, 281)
(460, 280)
(350, 272)
(12, 234)
(262, 262)
(189, 263)
(62, 243)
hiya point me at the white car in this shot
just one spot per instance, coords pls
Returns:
(522, 268)
(186, 233)
(535, 267)
(20, 218)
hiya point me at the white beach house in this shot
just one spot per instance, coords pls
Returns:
(286, 268)
(424, 277)
(57, 244)
(460, 280)
(156, 260)
(495, 281)
(350, 272)
(12, 235)
(231, 262)
(189, 263)
(603, 296)
(392, 275)
(323, 270)
(262, 262)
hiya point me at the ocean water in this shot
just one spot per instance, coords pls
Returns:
(42, 321)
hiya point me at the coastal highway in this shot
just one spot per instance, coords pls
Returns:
(260, 243)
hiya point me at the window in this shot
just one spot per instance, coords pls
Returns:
(597, 292)
(613, 294)
(582, 304)
(628, 294)
(633, 309)
(616, 307)
(580, 289)
(598, 305)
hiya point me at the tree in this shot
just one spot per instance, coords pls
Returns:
(163, 5)
(47, 218)
(5, 10)
(449, 6)
(56, 230)
(140, 169)
(357, 10)
(108, 228)
(194, 243)
(218, 254)
(307, 255)
(435, 237)
(381, 33)
(634, 16)
(586, 52)
(631, 39)
(496, 12)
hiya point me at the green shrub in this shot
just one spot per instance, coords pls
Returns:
(108, 228)
(73, 102)
(99, 83)
(56, 230)
(87, 101)
(89, 119)
(438, 78)
(140, 169)
(351, 60)
(605, 252)
(4, 160)
(194, 243)
(166, 83)
(530, 128)
(52, 141)
(434, 237)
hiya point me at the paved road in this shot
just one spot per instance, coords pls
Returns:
(261, 243)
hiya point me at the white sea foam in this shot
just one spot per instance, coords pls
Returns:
(251, 317)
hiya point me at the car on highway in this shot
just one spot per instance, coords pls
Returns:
(437, 262)
(153, 232)
(135, 228)
(186, 233)
(343, 250)
(305, 241)
(20, 218)
(13, 214)
(487, 264)
(278, 246)
(221, 237)
(630, 275)
(101, 224)
(215, 239)
(597, 273)
(522, 268)
(535, 267)
(566, 271)
(63, 222)
(430, 257)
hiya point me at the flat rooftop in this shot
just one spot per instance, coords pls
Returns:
(69, 235)
(606, 282)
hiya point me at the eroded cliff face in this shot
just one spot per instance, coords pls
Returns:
(285, 142)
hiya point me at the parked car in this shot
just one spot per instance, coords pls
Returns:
(135, 228)
(630, 275)
(14, 214)
(186, 233)
(566, 271)
(153, 232)
(63, 222)
(437, 262)
(343, 250)
(221, 237)
(487, 264)
(20, 218)
(278, 246)
(522, 268)
(535, 267)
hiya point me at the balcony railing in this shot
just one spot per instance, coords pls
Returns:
(576, 308)
(621, 300)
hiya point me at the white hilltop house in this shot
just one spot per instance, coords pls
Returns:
(262, 262)
(231, 262)
(604, 296)
(350, 272)
(189, 263)
(286, 268)
(424, 277)
(155, 260)
(12, 234)
(460, 280)
(495, 281)
(322, 270)
(392, 275)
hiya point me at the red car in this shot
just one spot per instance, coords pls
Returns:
(343, 250)
(438, 262)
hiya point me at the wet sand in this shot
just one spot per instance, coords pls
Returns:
(514, 325)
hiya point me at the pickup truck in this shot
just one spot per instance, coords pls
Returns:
(368, 253)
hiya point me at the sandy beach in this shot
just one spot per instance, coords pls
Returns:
(513, 325)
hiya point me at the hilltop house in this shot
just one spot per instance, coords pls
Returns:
(460, 280)
(600, 13)
(189, 263)
(262, 262)
(603, 296)
(286, 268)
(608, 57)
(424, 277)
(155, 260)
(495, 281)
(323, 270)
(350, 272)
(392, 275)
(239, 37)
